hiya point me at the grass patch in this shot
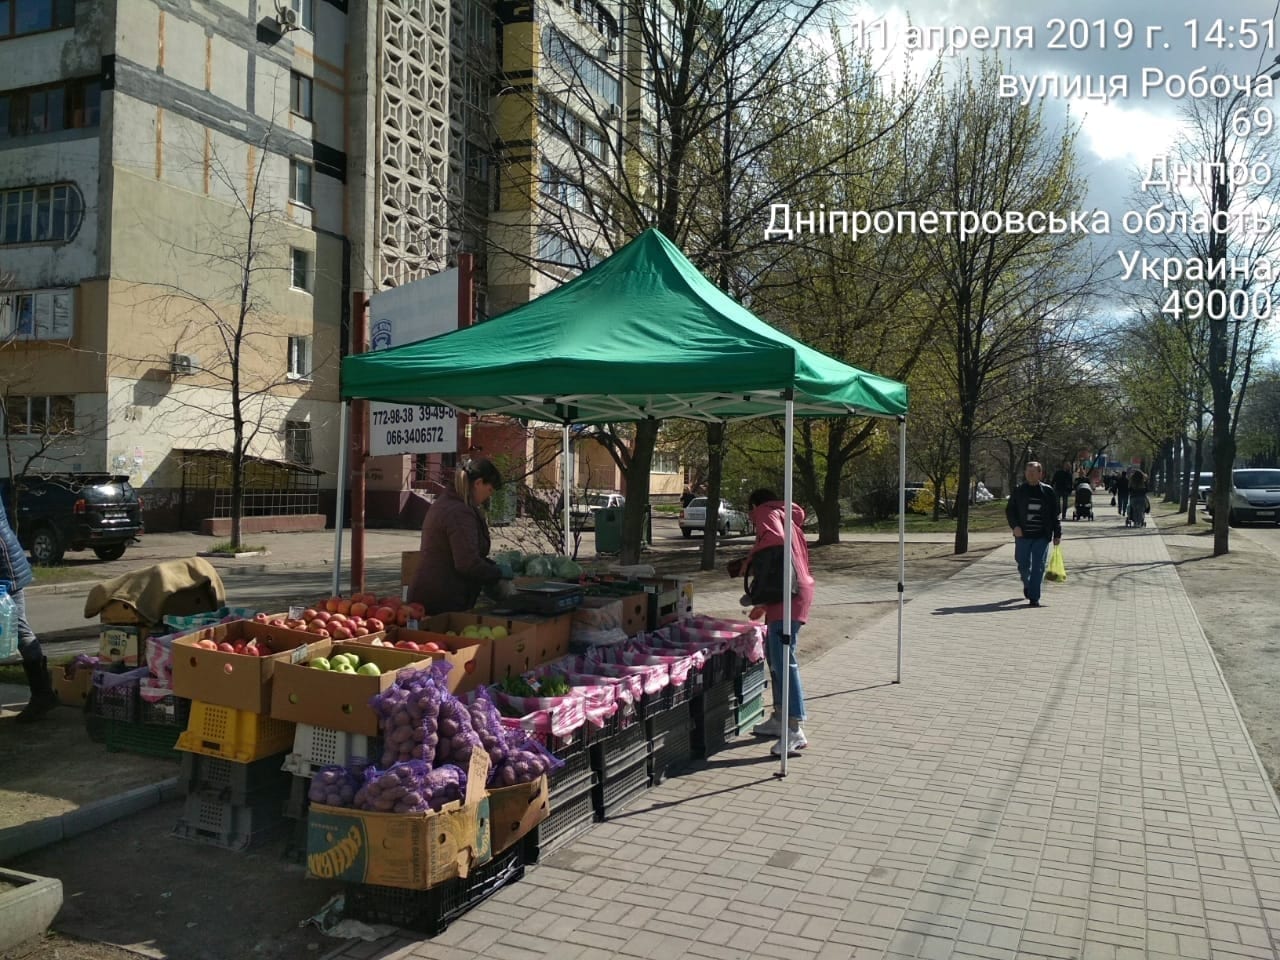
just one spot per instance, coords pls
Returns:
(43, 576)
(226, 547)
(667, 509)
(983, 518)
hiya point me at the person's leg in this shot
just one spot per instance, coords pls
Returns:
(42, 699)
(772, 725)
(1039, 553)
(796, 739)
(1022, 555)
(1062, 499)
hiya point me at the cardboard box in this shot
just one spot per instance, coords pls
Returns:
(550, 640)
(471, 658)
(516, 653)
(73, 691)
(515, 811)
(337, 701)
(234, 680)
(116, 612)
(122, 644)
(414, 851)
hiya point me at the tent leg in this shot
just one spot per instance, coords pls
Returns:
(784, 667)
(902, 533)
(568, 492)
(344, 419)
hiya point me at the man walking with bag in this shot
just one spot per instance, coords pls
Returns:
(1032, 513)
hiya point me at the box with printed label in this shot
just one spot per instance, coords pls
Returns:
(236, 680)
(124, 644)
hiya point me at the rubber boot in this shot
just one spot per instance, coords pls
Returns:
(43, 699)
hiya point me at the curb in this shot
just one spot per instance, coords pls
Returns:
(25, 837)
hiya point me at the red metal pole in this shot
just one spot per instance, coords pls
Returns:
(359, 444)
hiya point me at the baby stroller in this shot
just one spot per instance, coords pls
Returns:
(1138, 507)
(1084, 501)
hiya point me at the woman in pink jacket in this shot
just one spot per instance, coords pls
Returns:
(768, 516)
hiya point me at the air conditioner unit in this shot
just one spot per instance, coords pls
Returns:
(287, 17)
(182, 364)
(615, 111)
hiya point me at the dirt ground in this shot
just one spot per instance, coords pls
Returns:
(53, 767)
(1234, 597)
(55, 946)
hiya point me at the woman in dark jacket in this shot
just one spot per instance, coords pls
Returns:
(17, 571)
(455, 544)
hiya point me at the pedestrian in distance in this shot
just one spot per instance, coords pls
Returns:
(1033, 517)
(1063, 485)
(1122, 493)
(687, 497)
(17, 571)
(1139, 505)
(769, 517)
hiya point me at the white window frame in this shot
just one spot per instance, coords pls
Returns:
(301, 360)
(32, 314)
(308, 270)
(294, 166)
(295, 431)
(665, 456)
(47, 399)
(298, 84)
(306, 11)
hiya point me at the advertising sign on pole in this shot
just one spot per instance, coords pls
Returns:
(416, 311)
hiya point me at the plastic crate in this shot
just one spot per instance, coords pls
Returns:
(295, 845)
(715, 700)
(621, 719)
(169, 711)
(749, 712)
(614, 792)
(316, 747)
(672, 697)
(622, 751)
(672, 751)
(577, 770)
(570, 817)
(237, 735)
(209, 818)
(713, 731)
(431, 911)
(240, 783)
(751, 680)
(144, 739)
(115, 695)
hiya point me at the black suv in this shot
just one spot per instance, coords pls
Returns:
(73, 511)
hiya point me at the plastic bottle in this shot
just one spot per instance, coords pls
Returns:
(8, 628)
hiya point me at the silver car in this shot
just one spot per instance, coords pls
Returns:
(694, 518)
(1255, 497)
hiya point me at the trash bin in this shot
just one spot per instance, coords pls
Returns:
(608, 529)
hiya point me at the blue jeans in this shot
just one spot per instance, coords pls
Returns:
(1032, 556)
(28, 645)
(774, 654)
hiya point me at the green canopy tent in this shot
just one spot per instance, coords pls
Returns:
(642, 335)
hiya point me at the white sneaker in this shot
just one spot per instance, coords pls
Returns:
(796, 741)
(771, 728)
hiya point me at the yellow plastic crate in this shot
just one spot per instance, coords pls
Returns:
(236, 735)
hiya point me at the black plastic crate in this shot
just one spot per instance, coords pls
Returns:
(431, 911)
(208, 818)
(144, 739)
(620, 752)
(716, 699)
(239, 783)
(169, 711)
(614, 792)
(751, 680)
(623, 718)
(713, 731)
(297, 802)
(114, 695)
(570, 816)
(672, 752)
(577, 770)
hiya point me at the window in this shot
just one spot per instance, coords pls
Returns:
(559, 187)
(297, 442)
(421, 468)
(306, 11)
(555, 248)
(665, 461)
(300, 95)
(35, 214)
(36, 315)
(71, 105)
(300, 182)
(35, 16)
(574, 62)
(569, 126)
(39, 416)
(300, 269)
(300, 358)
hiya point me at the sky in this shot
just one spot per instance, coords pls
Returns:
(1118, 137)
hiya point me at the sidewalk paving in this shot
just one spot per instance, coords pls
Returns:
(1069, 782)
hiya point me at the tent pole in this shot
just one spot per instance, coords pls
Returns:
(788, 561)
(902, 532)
(568, 492)
(344, 418)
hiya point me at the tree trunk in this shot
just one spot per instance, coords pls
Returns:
(1197, 465)
(637, 490)
(965, 442)
(1224, 456)
(715, 476)
(1185, 492)
(237, 486)
(827, 507)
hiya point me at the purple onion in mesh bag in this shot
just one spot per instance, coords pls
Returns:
(527, 759)
(335, 786)
(445, 784)
(408, 711)
(400, 788)
(457, 737)
(487, 723)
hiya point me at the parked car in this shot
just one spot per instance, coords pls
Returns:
(693, 518)
(1255, 497)
(74, 511)
(1203, 485)
(582, 511)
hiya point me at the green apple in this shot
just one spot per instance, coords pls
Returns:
(451, 633)
(345, 667)
(471, 631)
(499, 633)
(486, 633)
(370, 670)
(322, 663)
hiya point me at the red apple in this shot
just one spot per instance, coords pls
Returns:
(333, 603)
(277, 622)
(226, 647)
(418, 610)
(403, 615)
(431, 647)
(341, 633)
(375, 625)
(309, 614)
(261, 618)
(359, 608)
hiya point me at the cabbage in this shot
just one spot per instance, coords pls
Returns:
(538, 567)
(514, 557)
(566, 569)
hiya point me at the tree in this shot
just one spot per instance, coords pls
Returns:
(217, 298)
(1259, 434)
(1229, 260)
(1000, 293)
